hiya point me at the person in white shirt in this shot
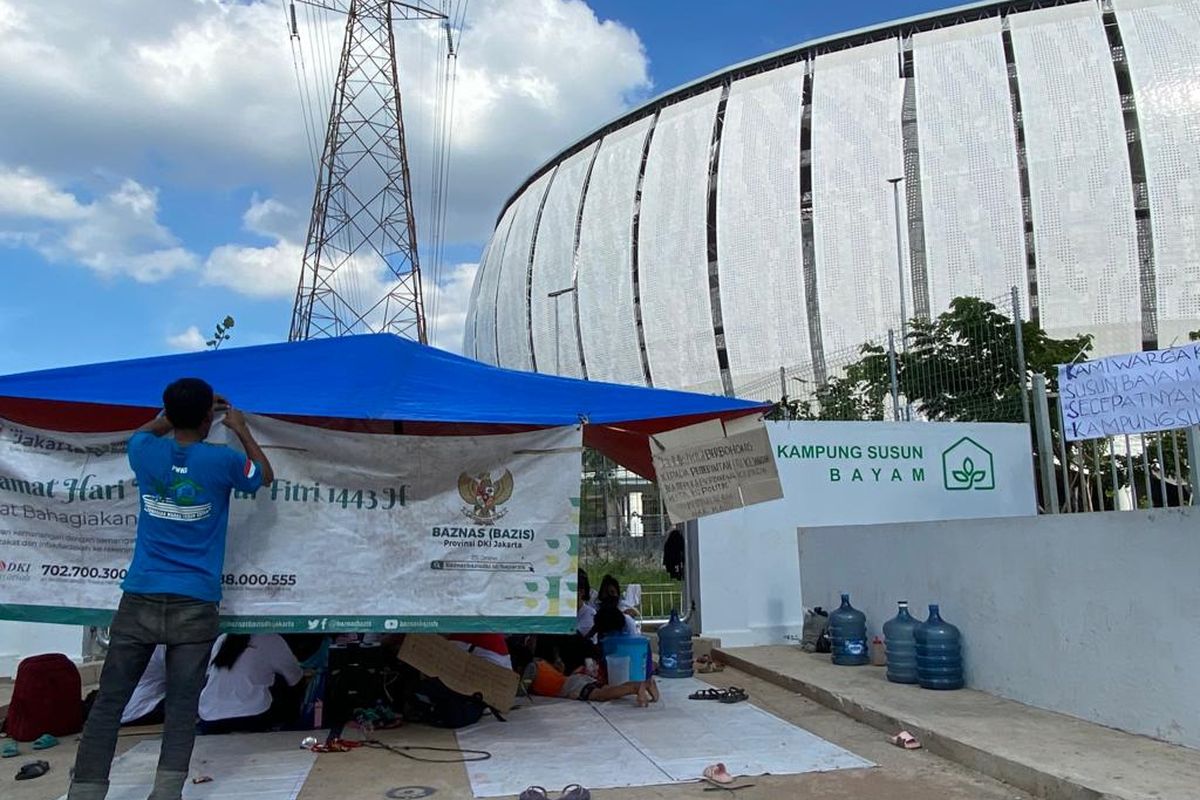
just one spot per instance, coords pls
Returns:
(243, 669)
(145, 706)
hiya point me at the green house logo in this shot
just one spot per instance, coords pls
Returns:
(967, 465)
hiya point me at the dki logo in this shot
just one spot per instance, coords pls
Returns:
(10, 567)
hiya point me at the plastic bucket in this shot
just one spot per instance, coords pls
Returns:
(618, 670)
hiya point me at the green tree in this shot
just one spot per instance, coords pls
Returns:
(221, 333)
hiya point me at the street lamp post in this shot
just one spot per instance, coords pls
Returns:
(557, 350)
(895, 182)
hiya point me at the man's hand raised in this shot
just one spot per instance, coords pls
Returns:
(235, 420)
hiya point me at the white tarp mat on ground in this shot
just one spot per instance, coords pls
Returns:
(616, 744)
(262, 766)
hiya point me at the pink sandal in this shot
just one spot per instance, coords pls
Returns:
(905, 740)
(717, 774)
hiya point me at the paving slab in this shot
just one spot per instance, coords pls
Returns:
(1049, 755)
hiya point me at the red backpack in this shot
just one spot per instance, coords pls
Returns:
(46, 698)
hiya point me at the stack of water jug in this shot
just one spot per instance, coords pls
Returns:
(927, 653)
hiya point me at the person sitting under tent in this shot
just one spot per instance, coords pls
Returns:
(491, 647)
(610, 590)
(248, 679)
(591, 685)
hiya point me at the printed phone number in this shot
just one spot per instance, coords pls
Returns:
(102, 573)
(257, 579)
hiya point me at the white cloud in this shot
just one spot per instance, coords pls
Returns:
(24, 194)
(207, 91)
(190, 340)
(118, 233)
(446, 310)
(271, 271)
(274, 219)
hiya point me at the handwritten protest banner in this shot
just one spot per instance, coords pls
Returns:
(1156, 390)
(709, 468)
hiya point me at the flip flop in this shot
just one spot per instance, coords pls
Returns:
(534, 793)
(707, 694)
(575, 792)
(45, 742)
(34, 769)
(734, 695)
(717, 774)
(10, 750)
(905, 740)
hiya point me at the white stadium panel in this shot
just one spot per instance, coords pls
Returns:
(553, 269)
(673, 249)
(485, 325)
(606, 314)
(468, 341)
(970, 182)
(512, 303)
(759, 250)
(856, 148)
(1082, 197)
(1164, 61)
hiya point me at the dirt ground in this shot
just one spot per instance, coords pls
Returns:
(378, 775)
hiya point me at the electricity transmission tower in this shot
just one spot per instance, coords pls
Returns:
(361, 272)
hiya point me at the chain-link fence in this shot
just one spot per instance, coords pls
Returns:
(967, 364)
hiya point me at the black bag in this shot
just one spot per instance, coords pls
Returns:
(434, 704)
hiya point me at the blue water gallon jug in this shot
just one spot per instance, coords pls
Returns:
(848, 635)
(675, 649)
(939, 653)
(899, 635)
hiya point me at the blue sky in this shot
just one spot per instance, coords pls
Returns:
(154, 176)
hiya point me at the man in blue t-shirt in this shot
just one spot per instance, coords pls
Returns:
(174, 583)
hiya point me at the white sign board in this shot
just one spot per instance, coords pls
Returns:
(712, 467)
(358, 532)
(862, 473)
(1157, 390)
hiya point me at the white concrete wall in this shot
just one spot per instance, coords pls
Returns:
(749, 576)
(1092, 615)
(21, 639)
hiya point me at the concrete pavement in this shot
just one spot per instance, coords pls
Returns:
(373, 774)
(1050, 755)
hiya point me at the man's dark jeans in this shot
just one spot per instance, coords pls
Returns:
(187, 627)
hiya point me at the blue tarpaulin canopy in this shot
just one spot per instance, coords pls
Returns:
(375, 382)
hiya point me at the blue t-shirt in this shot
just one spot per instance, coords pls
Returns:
(184, 514)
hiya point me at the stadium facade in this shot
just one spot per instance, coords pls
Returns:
(747, 222)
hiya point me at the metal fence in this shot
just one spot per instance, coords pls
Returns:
(969, 364)
(659, 600)
(966, 364)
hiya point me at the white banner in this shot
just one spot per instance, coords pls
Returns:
(1158, 390)
(861, 473)
(358, 532)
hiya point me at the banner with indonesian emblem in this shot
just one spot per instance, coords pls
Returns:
(358, 532)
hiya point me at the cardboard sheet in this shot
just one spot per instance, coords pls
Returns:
(459, 670)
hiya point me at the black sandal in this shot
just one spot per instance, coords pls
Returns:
(734, 695)
(707, 694)
(34, 769)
